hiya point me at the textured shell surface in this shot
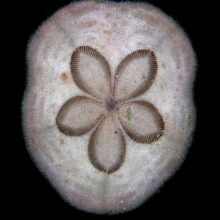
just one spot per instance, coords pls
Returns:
(108, 112)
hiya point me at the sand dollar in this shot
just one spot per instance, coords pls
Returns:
(108, 113)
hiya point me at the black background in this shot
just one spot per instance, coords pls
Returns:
(27, 192)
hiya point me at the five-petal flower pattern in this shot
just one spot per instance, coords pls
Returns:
(110, 107)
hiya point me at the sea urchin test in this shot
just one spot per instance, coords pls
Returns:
(108, 113)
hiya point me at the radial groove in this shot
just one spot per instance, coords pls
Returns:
(78, 115)
(138, 79)
(96, 143)
(145, 124)
(91, 73)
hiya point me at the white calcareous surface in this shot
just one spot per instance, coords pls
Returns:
(115, 30)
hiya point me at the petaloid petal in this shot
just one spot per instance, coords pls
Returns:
(107, 147)
(141, 121)
(78, 115)
(135, 74)
(91, 71)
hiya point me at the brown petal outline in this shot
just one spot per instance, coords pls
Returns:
(152, 74)
(150, 138)
(74, 67)
(92, 152)
(63, 110)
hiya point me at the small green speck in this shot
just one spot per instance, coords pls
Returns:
(144, 76)
(128, 113)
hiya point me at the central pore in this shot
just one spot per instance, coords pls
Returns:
(110, 104)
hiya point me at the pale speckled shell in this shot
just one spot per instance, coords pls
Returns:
(115, 30)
